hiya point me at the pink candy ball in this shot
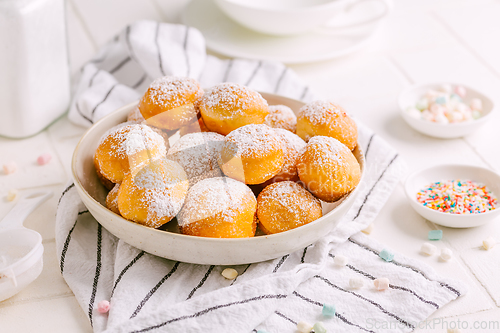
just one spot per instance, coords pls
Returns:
(103, 307)
(460, 91)
(44, 159)
(381, 284)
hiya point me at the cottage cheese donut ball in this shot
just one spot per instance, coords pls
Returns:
(112, 199)
(252, 154)
(155, 195)
(327, 119)
(219, 207)
(228, 106)
(127, 148)
(328, 168)
(195, 127)
(292, 145)
(286, 205)
(171, 102)
(281, 116)
(197, 153)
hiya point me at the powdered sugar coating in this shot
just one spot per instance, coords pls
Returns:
(286, 205)
(319, 112)
(232, 98)
(292, 145)
(281, 116)
(253, 141)
(197, 153)
(135, 115)
(213, 196)
(326, 150)
(172, 90)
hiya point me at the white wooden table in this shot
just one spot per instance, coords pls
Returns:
(424, 40)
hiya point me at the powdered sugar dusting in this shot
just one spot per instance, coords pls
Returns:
(232, 98)
(197, 153)
(292, 145)
(319, 112)
(252, 141)
(173, 89)
(326, 149)
(213, 196)
(281, 116)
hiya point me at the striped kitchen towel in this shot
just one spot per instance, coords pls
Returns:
(148, 293)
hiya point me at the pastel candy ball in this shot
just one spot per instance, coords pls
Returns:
(356, 283)
(446, 254)
(103, 307)
(476, 104)
(386, 254)
(44, 159)
(381, 284)
(328, 310)
(428, 249)
(9, 167)
(229, 273)
(340, 260)
(489, 243)
(460, 91)
(303, 327)
(319, 327)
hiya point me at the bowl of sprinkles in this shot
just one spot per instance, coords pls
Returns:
(456, 196)
(445, 110)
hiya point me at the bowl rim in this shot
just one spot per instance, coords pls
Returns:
(412, 198)
(465, 124)
(254, 239)
(330, 5)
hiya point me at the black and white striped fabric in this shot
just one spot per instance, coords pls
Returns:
(148, 293)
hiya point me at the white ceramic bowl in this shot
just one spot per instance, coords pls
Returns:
(420, 179)
(199, 250)
(410, 96)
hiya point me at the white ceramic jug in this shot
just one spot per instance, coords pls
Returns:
(34, 71)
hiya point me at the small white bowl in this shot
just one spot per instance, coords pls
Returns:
(410, 96)
(420, 179)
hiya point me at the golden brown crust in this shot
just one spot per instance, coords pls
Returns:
(321, 118)
(328, 168)
(112, 199)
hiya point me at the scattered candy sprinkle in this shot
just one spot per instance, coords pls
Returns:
(328, 310)
(368, 229)
(44, 159)
(489, 243)
(356, 283)
(446, 106)
(428, 249)
(319, 327)
(9, 167)
(340, 260)
(381, 284)
(446, 254)
(387, 255)
(303, 327)
(103, 307)
(12, 195)
(435, 235)
(229, 273)
(458, 197)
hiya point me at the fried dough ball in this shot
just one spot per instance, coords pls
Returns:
(155, 195)
(112, 199)
(228, 106)
(219, 207)
(328, 168)
(197, 153)
(327, 119)
(127, 148)
(135, 115)
(281, 116)
(108, 184)
(286, 205)
(194, 127)
(171, 102)
(292, 145)
(252, 154)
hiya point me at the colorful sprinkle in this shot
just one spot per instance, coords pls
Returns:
(328, 310)
(387, 255)
(435, 235)
(458, 197)
(319, 327)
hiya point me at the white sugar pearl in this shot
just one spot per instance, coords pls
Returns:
(340, 260)
(476, 104)
(427, 115)
(446, 254)
(489, 243)
(441, 119)
(356, 283)
(12, 195)
(460, 91)
(381, 283)
(304, 327)
(422, 104)
(428, 248)
(457, 116)
(368, 229)
(229, 273)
